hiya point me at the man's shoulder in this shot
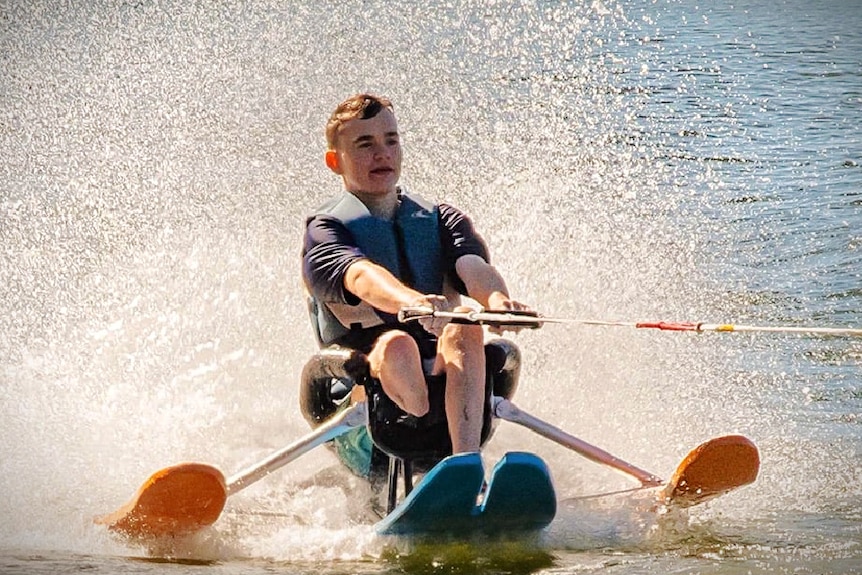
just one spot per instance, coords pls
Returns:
(345, 206)
(328, 206)
(326, 220)
(451, 214)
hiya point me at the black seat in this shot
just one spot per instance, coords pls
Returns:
(403, 443)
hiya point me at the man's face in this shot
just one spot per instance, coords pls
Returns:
(368, 154)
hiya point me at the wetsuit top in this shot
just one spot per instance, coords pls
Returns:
(330, 247)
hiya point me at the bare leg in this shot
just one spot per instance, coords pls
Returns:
(462, 349)
(395, 361)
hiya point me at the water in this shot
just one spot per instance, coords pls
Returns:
(626, 161)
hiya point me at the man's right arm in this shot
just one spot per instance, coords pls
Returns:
(328, 251)
(336, 270)
(377, 286)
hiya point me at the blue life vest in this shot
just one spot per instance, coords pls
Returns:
(416, 221)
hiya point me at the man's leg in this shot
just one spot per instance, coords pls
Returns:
(462, 350)
(395, 361)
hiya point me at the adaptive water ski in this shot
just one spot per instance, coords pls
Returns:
(454, 496)
(451, 498)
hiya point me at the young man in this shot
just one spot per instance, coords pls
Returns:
(375, 249)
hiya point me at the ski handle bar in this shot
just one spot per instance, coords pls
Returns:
(527, 318)
(531, 319)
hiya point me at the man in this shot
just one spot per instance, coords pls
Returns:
(376, 249)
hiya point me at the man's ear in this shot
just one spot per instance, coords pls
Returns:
(331, 158)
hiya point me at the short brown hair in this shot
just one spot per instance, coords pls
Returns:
(360, 106)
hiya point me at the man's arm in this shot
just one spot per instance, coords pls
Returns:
(377, 286)
(478, 278)
(484, 283)
(335, 269)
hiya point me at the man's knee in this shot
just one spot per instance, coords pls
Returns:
(396, 363)
(393, 346)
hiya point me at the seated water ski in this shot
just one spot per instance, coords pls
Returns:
(452, 497)
(187, 497)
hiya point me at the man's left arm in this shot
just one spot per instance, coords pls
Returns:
(485, 284)
(470, 262)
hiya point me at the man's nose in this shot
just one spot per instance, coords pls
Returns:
(380, 151)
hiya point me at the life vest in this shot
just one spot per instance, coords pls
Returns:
(415, 225)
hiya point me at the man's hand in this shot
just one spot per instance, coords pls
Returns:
(501, 302)
(432, 324)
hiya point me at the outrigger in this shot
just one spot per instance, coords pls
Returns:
(453, 495)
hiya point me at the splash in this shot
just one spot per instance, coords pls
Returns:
(159, 160)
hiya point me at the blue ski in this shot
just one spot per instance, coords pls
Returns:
(450, 499)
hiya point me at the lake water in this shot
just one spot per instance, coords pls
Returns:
(625, 161)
